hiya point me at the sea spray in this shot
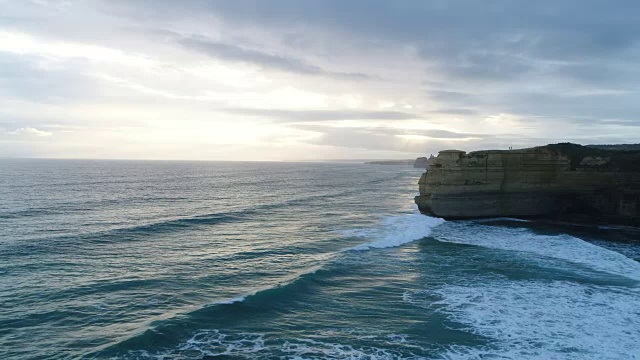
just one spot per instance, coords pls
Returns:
(539, 319)
(523, 240)
(395, 231)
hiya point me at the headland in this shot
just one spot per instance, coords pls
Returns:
(564, 182)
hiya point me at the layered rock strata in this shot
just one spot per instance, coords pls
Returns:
(560, 181)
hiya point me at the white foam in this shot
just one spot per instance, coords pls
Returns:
(540, 320)
(312, 349)
(395, 231)
(562, 247)
(234, 300)
(213, 343)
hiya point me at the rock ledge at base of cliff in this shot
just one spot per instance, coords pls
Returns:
(558, 181)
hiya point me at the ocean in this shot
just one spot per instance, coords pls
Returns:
(244, 260)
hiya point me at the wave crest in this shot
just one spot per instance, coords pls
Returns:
(395, 231)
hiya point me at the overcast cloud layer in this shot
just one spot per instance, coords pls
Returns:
(313, 79)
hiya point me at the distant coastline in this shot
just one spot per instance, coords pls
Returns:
(420, 162)
(391, 162)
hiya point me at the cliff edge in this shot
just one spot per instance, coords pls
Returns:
(557, 181)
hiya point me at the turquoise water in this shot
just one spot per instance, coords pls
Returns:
(206, 260)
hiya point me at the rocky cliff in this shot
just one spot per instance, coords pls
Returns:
(421, 163)
(559, 181)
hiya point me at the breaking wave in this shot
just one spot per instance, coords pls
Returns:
(561, 247)
(395, 231)
(540, 320)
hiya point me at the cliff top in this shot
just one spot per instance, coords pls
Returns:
(625, 158)
(619, 159)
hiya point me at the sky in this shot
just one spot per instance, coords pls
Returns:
(313, 79)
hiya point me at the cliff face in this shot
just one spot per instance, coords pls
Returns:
(562, 181)
(423, 162)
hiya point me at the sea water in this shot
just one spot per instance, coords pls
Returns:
(208, 260)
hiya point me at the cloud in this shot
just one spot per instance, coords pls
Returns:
(543, 46)
(456, 111)
(30, 77)
(321, 115)
(236, 53)
(553, 30)
(526, 73)
(379, 139)
(413, 141)
(29, 131)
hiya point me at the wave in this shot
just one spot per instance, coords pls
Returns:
(207, 344)
(539, 320)
(169, 330)
(184, 223)
(298, 276)
(521, 318)
(395, 231)
(123, 233)
(391, 231)
(561, 247)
